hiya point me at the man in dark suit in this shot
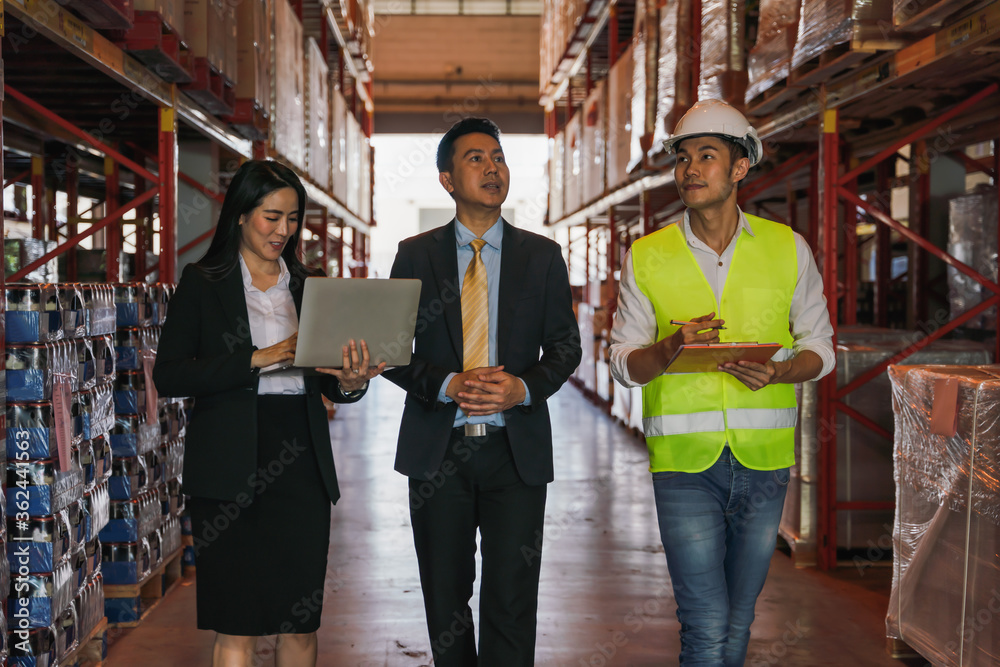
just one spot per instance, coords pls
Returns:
(496, 336)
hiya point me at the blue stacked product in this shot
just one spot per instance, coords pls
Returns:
(32, 313)
(4, 565)
(63, 363)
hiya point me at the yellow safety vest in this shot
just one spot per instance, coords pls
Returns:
(689, 417)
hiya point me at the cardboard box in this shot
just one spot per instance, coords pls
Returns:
(594, 142)
(205, 30)
(230, 67)
(619, 119)
(573, 166)
(338, 146)
(253, 53)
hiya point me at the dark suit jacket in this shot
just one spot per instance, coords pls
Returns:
(536, 315)
(204, 352)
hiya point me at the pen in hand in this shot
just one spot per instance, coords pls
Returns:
(680, 323)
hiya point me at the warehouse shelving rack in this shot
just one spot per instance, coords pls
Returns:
(100, 123)
(936, 94)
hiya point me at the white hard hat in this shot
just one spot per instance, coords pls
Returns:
(717, 117)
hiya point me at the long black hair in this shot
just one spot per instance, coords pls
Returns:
(254, 180)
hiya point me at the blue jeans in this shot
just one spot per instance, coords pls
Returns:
(719, 529)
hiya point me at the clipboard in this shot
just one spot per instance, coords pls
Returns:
(706, 357)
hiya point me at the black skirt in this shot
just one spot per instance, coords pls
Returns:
(261, 568)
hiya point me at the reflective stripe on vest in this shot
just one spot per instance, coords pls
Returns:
(739, 418)
(689, 418)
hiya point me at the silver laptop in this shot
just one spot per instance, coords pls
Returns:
(337, 310)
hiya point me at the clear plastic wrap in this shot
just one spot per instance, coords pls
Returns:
(946, 575)
(32, 648)
(573, 164)
(97, 511)
(99, 309)
(770, 59)
(129, 477)
(130, 392)
(40, 488)
(317, 114)
(36, 600)
(132, 305)
(826, 23)
(638, 99)
(864, 459)
(74, 315)
(131, 520)
(619, 119)
(673, 70)
(39, 544)
(972, 239)
(557, 175)
(723, 51)
(86, 363)
(124, 563)
(19, 253)
(289, 86)
(66, 630)
(594, 142)
(32, 313)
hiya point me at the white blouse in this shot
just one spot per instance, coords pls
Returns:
(272, 320)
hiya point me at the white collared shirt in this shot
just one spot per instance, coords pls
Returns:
(272, 320)
(635, 321)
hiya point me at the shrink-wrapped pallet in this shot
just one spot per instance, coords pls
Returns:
(289, 86)
(619, 119)
(770, 58)
(365, 212)
(827, 23)
(253, 53)
(557, 175)
(205, 31)
(573, 166)
(723, 51)
(946, 576)
(864, 459)
(338, 161)
(594, 139)
(972, 239)
(637, 145)
(353, 153)
(230, 65)
(673, 77)
(317, 115)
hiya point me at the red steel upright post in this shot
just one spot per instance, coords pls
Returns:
(851, 261)
(883, 246)
(38, 205)
(143, 214)
(829, 161)
(73, 212)
(113, 233)
(920, 196)
(168, 194)
(996, 184)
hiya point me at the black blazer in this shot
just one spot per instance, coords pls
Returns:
(538, 340)
(204, 352)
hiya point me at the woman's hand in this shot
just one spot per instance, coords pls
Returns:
(356, 371)
(280, 353)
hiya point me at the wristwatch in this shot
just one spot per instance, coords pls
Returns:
(357, 393)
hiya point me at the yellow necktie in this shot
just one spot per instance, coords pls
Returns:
(475, 312)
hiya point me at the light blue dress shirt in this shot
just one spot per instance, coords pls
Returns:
(491, 260)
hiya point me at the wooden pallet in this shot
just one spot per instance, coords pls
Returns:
(151, 590)
(249, 119)
(773, 98)
(157, 45)
(91, 651)
(209, 88)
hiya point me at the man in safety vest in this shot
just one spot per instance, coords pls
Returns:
(720, 443)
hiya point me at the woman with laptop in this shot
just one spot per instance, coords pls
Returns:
(258, 463)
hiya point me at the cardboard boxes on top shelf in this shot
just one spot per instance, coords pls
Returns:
(253, 54)
(723, 53)
(205, 31)
(595, 133)
(673, 76)
(338, 146)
